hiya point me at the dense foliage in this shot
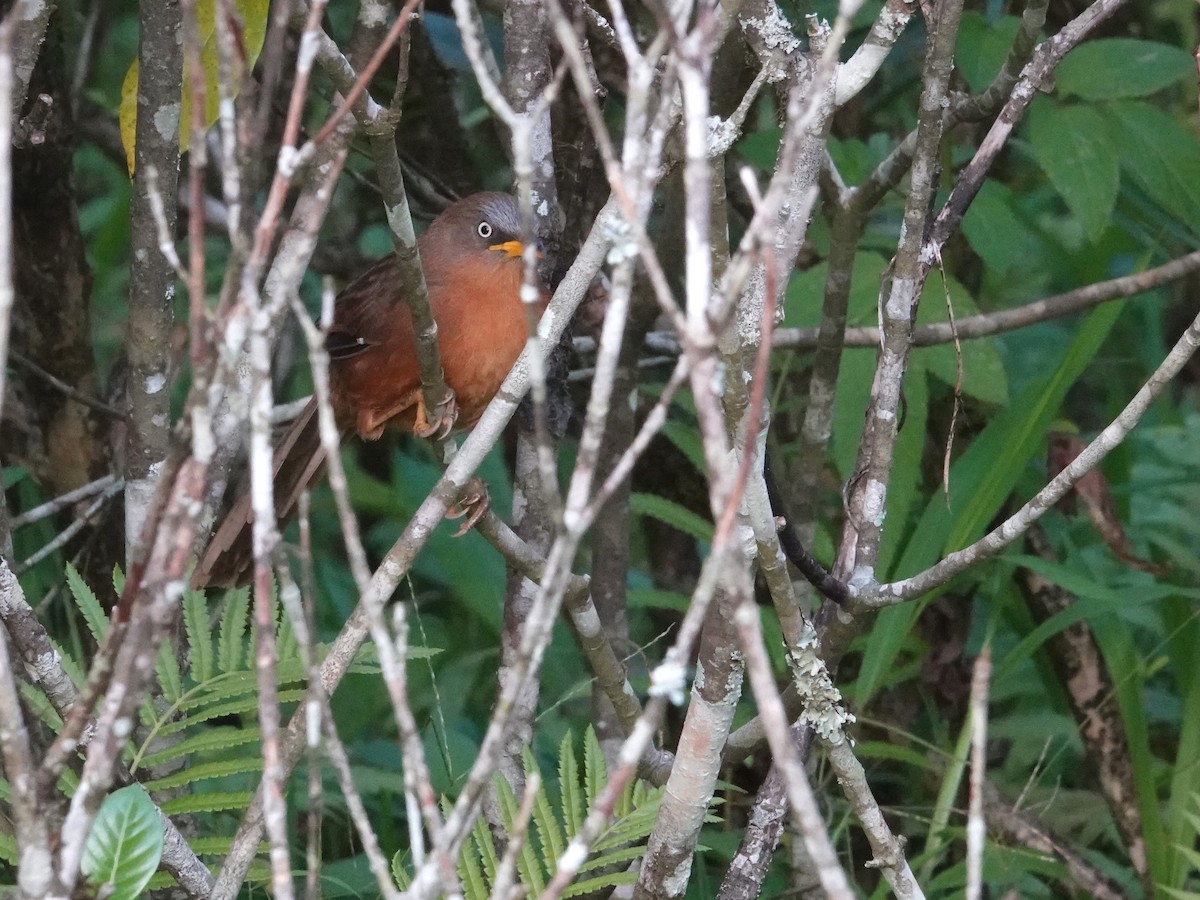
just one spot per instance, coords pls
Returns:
(1089, 621)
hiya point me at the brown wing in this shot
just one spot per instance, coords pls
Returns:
(299, 462)
(374, 374)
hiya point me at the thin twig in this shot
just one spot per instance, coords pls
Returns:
(981, 674)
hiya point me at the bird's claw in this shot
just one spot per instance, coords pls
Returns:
(442, 422)
(471, 506)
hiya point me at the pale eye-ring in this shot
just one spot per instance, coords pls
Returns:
(484, 230)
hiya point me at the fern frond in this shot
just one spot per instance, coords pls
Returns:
(199, 638)
(287, 648)
(600, 882)
(216, 801)
(231, 638)
(70, 665)
(628, 829)
(483, 841)
(201, 771)
(8, 849)
(573, 807)
(400, 874)
(87, 604)
(235, 707)
(595, 770)
(36, 699)
(469, 871)
(603, 860)
(549, 828)
(170, 681)
(527, 861)
(209, 739)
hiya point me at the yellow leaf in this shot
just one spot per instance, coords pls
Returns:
(254, 23)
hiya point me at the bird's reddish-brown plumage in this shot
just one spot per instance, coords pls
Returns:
(375, 383)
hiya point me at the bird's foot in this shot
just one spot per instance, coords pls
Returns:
(472, 505)
(445, 414)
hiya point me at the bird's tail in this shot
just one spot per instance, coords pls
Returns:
(228, 560)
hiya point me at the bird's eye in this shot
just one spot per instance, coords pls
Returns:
(484, 230)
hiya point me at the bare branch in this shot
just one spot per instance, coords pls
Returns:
(1018, 523)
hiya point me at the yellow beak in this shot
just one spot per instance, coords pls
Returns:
(513, 248)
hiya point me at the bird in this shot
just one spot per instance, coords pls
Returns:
(471, 256)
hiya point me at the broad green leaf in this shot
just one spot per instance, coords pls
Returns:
(671, 513)
(124, 845)
(983, 46)
(1000, 232)
(253, 14)
(760, 148)
(1109, 68)
(1073, 146)
(1162, 155)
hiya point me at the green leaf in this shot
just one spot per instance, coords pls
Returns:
(199, 637)
(400, 871)
(215, 801)
(527, 861)
(486, 849)
(980, 481)
(760, 148)
(1109, 68)
(85, 599)
(654, 598)
(218, 738)
(549, 829)
(167, 668)
(574, 808)
(231, 639)
(687, 440)
(469, 872)
(595, 770)
(8, 849)
(1162, 155)
(999, 231)
(125, 843)
(982, 47)
(253, 14)
(671, 513)
(984, 377)
(1073, 146)
(200, 771)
